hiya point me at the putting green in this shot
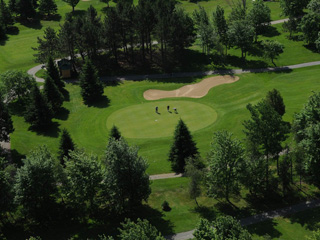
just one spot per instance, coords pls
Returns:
(142, 121)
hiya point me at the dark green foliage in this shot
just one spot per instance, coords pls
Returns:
(6, 125)
(38, 112)
(275, 99)
(272, 49)
(225, 160)
(141, 230)
(6, 191)
(265, 131)
(204, 29)
(91, 86)
(238, 11)
(314, 6)
(65, 146)
(53, 72)
(293, 8)
(221, 26)
(47, 7)
(310, 26)
(223, 228)
(72, 3)
(52, 94)
(26, 9)
(16, 84)
(84, 180)
(6, 18)
(126, 180)
(182, 148)
(240, 34)
(48, 46)
(306, 129)
(115, 133)
(284, 172)
(259, 16)
(36, 185)
(317, 42)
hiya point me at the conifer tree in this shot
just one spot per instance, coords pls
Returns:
(66, 144)
(6, 126)
(25, 8)
(52, 94)
(115, 133)
(5, 15)
(91, 86)
(182, 148)
(38, 112)
(53, 72)
(48, 7)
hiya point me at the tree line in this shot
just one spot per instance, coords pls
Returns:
(232, 164)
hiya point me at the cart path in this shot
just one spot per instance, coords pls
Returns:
(281, 212)
(165, 176)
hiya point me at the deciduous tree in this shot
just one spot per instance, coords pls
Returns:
(72, 3)
(225, 160)
(6, 124)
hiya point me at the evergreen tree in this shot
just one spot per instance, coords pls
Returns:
(52, 94)
(182, 148)
(91, 86)
(38, 112)
(48, 46)
(66, 144)
(5, 15)
(115, 133)
(47, 7)
(6, 125)
(25, 8)
(53, 72)
(275, 99)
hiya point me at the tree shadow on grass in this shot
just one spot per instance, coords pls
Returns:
(66, 95)
(155, 217)
(271, 31)
(309, 218)
(62, 114)
(17, 108)
(265, 228)
(244, 63)
(206, 212)
(312, 47)
(32, 23)
(17, 157)
(51, 130)
(103, 102)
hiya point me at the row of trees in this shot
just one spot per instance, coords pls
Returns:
(125, 27)
(43, 190)
(231, 165)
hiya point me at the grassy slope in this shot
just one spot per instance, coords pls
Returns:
(87, 125)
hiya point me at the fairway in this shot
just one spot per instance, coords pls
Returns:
(142, 121)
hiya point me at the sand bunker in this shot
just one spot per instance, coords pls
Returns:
(197, 90)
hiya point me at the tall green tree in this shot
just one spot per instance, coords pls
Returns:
(225, 160)
(5, 15)
(275, 99)
(52, 94)
(26, 9)
(238, 10)
(36, 185)
(293, 8)
(6, 124)
(72, 3)
(314, 6)
(205, 29)
(53, 72)
(38, 111)
(126, 180)
(306, 129)
(91, 86)
(259, 16)
(221, 26)
(140, 230)
(48, 46)
(265, 131)
(47, 7)
(195, 171)
(16, 84)
(310, 26)
(84, 181)
(65, 146)
(182, 148)
(240, 34)
(284, 172)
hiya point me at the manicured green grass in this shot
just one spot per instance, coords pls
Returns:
(88, 125)
(142, 121)
(295, 227)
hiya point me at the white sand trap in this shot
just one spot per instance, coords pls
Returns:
(197, 90)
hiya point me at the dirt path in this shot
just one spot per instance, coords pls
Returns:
(197, 90)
